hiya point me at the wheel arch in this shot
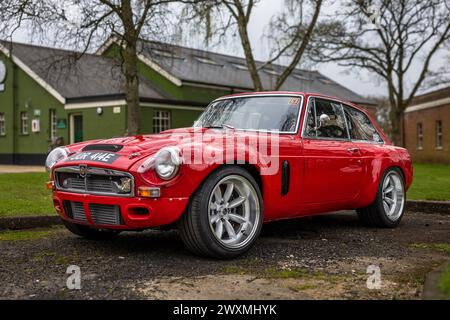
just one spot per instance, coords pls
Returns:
(250, 168)
(369, 194)
(399, 168)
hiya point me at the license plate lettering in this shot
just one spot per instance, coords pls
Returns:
(104, 157)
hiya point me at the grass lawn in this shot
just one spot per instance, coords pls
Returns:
(444, 283)
(23, 194)
(431, 182)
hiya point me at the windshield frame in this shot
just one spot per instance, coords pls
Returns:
(294, 95)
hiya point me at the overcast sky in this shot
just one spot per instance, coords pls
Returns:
(360, 82)
(361, 85)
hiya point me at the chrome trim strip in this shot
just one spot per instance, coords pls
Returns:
(95, 171)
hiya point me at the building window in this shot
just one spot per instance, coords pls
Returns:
(52, 124)
(161, 121)
(2, 124)
(419, 136)
(439, 144)
(24, 122)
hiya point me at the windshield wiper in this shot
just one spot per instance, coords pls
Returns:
(228, 126)
(221, 127)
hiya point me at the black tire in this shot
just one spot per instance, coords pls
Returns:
(194, 225)
(375, 215)
(90, 233)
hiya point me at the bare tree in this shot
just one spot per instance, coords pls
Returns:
(291, 31)
(84, 24)
(393, 40)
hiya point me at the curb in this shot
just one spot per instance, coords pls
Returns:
(430, 288)
(17, 223)
(439, 207)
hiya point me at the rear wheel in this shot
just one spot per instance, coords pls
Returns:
(90, 233)
(224, 216)
(389, 205)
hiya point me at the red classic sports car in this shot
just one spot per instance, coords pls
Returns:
(249, 159)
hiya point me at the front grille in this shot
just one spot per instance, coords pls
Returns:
(74, 183)
(101, 214)
(101, 184)
(105, 214)
(94, 181)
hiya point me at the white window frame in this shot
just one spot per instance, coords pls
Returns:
(439, 135)
(53, 123)
(2, 124)
(419, 128)
(24, 123)
(161, 120)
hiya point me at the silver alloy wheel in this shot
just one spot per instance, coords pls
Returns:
(234, 211)
(393, 196)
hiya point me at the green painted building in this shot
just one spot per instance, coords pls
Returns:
(52, 97)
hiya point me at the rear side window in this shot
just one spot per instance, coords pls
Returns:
(360, 127)
(325, 119)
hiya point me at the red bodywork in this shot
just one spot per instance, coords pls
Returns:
(324, 175)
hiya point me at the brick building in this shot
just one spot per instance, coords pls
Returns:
(427, 127)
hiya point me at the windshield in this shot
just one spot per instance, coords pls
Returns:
(271, 113)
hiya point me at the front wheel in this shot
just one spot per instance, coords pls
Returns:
(389, 205)
(224, 216)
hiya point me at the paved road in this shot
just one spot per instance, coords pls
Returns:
(20, 169)
(321, 257)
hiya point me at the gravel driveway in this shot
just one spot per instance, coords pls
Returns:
(322, 257)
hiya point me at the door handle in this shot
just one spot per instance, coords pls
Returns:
(353, 150)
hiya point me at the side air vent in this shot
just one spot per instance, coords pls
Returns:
(103, 147)
(285, 177)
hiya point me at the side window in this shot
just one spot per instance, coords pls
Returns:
(360, 127)
(325, 119)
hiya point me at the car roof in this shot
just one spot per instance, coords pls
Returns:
(305, 94)
(313, 94)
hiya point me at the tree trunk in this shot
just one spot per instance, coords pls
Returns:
(396, 119)
(132, 89)
(130, 66)
(245, 41)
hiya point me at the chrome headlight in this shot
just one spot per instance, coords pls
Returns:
(167, 163)
(55, 156)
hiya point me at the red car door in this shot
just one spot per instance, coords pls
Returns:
(365, 137)
(332, 162)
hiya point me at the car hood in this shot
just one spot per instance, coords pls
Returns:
(132, 149)
(135, 148)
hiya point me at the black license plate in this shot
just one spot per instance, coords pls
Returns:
(103, 157)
